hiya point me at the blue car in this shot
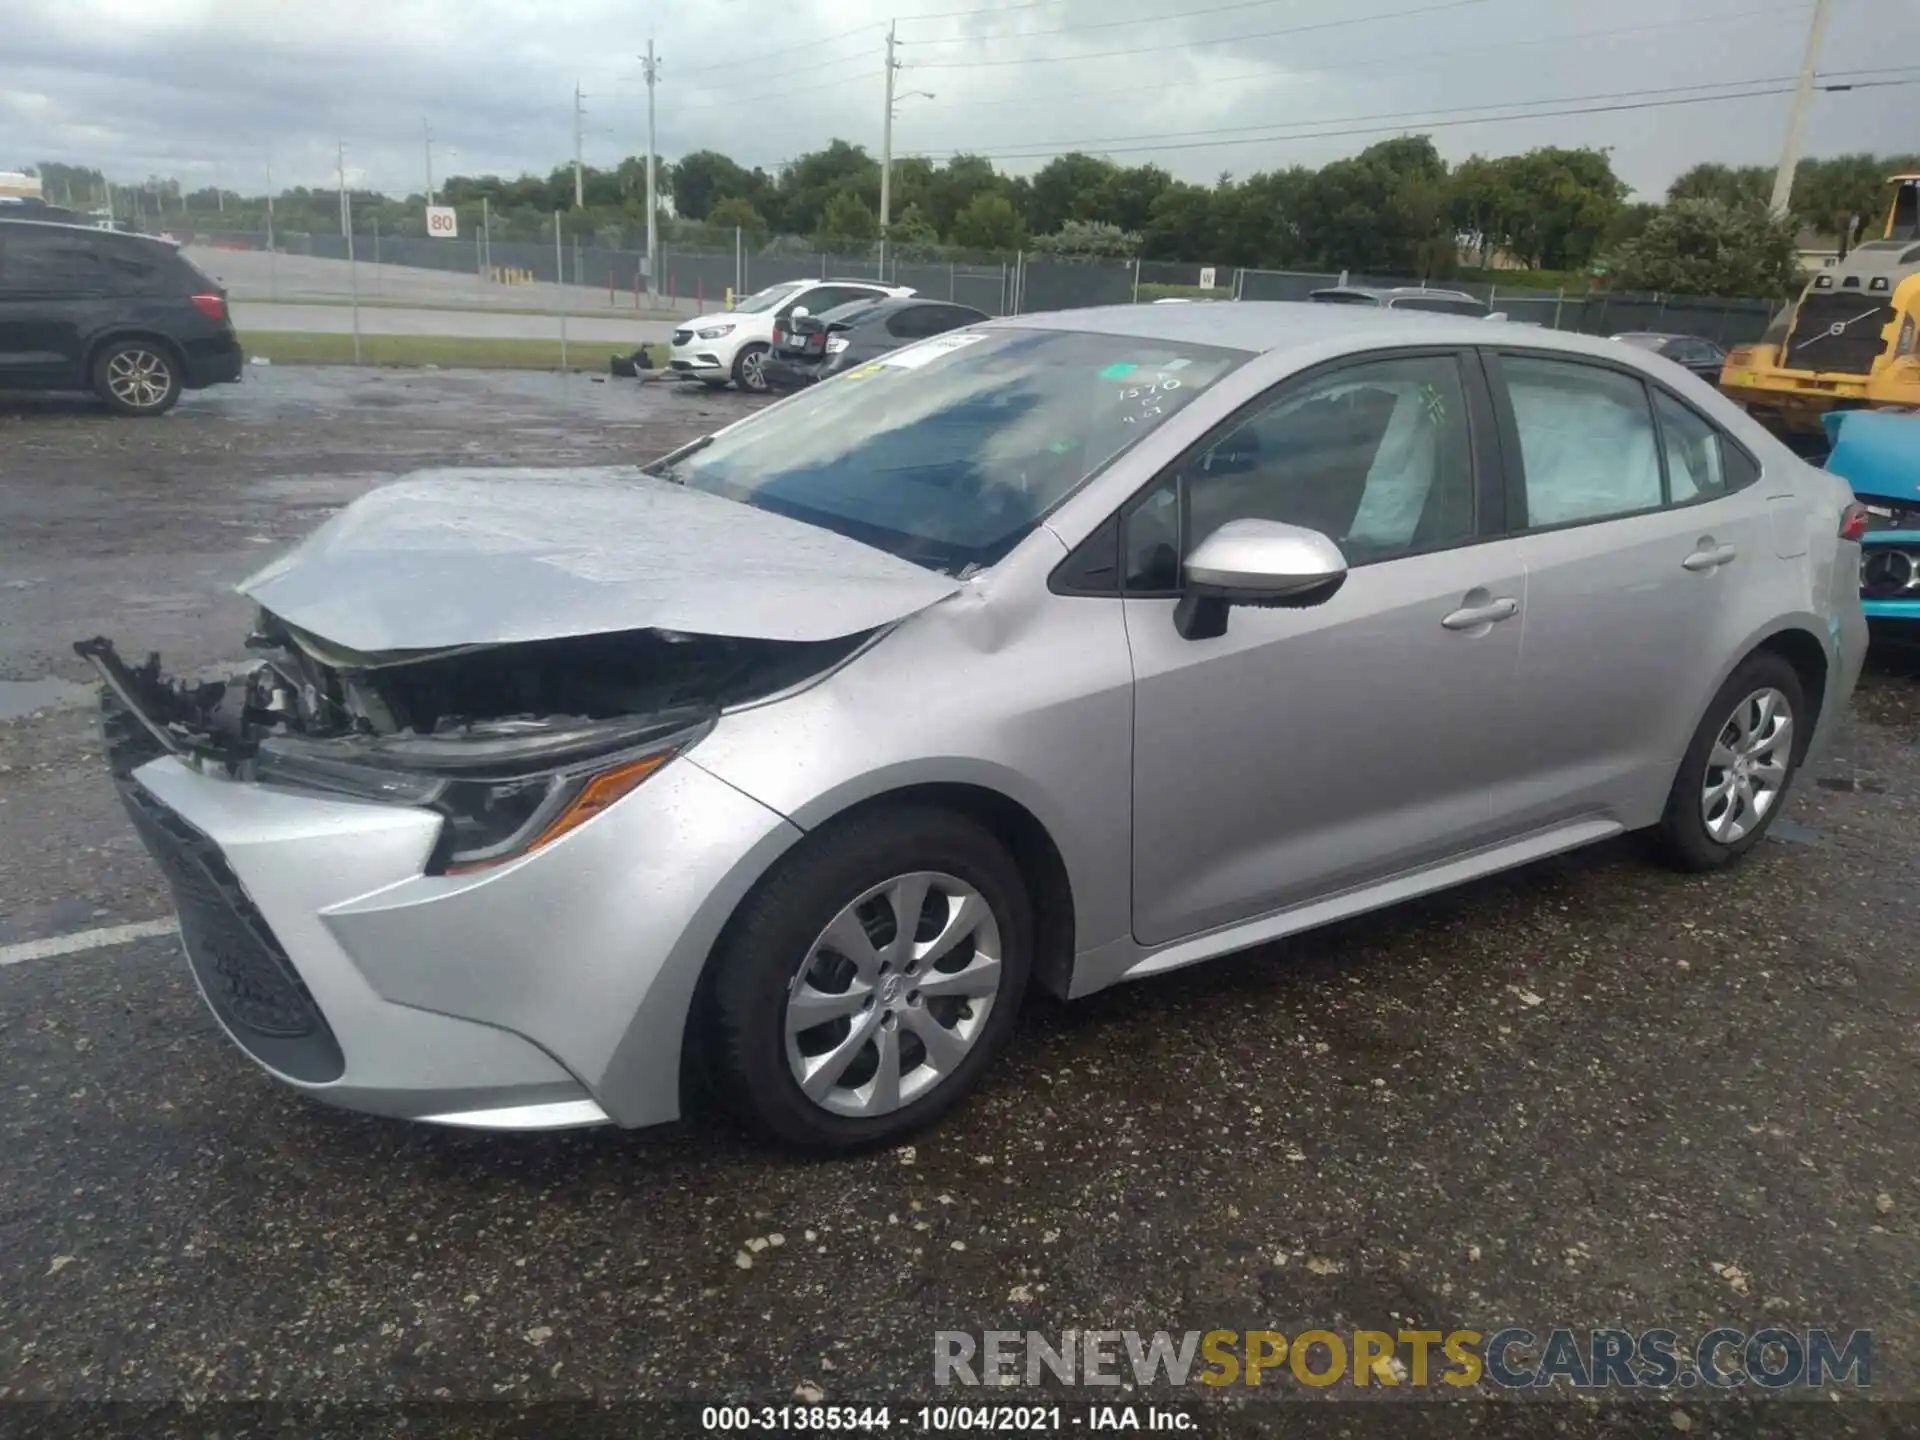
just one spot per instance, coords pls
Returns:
(1877, 452)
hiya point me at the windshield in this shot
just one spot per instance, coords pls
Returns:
(768, 298)
(947, 453)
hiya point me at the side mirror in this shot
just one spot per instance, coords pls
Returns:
(1255, 562)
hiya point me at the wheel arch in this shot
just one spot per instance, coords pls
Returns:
(1028, 840)
(97, 343)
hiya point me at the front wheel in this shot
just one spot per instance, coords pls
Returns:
(750, 369)
(1735, 774)
(137, 377)
(865, 987)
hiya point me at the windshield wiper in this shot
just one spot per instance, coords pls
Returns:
(664, 467)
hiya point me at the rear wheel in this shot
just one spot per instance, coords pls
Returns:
(865, 987)
(749, 369)
(137, 377)
(1735, 775)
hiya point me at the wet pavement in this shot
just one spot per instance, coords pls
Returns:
(1588, 1093)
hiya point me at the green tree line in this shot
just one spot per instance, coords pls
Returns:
(1395, 208)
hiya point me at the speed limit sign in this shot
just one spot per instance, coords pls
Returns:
(442, 223)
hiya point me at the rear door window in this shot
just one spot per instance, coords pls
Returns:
(1587, 440)
(51, 262)
(916, 322)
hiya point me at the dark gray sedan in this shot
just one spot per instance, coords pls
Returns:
(812, 347)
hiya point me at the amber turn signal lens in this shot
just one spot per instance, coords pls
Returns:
(600, 792)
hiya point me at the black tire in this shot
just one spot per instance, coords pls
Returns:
(777, 925)
(746, 372)
(1682, 836)
(137, 377)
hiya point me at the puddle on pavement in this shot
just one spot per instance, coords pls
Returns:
(23, 697)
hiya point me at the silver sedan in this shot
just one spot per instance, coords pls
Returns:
(1050, 653)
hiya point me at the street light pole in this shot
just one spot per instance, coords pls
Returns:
(579, 145)
(653, 243)
(886, 138)
(426, 133)
(1802, 102)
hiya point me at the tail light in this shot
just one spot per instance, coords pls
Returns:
(777, 337)
(214, 307)
(1853, 521)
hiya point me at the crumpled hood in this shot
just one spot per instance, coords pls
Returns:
(451, 558)
(1877, 452)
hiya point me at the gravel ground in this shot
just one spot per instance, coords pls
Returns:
(1588, 1093)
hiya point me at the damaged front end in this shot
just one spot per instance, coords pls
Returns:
(513, 745)
(1877, 452)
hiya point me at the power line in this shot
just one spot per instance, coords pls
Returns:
(1269, 125)
(1386, 63)
(1430, 9)
(1116, 148)
(1103, 24)
(737, 64)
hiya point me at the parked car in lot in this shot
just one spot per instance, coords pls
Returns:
(1404, 297)
(812, 347)
(128, 317)
(1877, 452)
(1702, 357)
(731, 346)
(1052, 652)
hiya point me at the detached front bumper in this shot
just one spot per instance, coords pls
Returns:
(552, 991)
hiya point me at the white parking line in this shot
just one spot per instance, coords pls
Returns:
(85, 940)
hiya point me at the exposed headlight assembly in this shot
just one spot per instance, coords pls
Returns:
(505, 787)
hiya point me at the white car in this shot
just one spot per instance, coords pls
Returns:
(732, 345)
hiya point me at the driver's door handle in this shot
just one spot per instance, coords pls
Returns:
(1474, 616)
(1711, 559)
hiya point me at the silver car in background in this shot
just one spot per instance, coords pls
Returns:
(1054, 652)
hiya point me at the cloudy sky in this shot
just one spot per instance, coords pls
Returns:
(179, 87)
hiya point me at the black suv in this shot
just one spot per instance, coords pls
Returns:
(125, 316)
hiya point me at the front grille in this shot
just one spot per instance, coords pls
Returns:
(241, 966)
(683, 337)
(1889, 573)
(1838, 333)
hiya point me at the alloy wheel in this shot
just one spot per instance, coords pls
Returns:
(139, 379)
(893, 995)
(1747, 766)
(753, 370)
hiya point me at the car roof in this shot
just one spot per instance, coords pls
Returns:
(1395, 292)
(883, 305)
(1263, 326)
(85, 229)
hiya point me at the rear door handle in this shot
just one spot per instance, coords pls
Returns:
(1711, 559)
(1474, 616)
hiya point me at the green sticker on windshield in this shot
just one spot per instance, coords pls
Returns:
(1119, 370)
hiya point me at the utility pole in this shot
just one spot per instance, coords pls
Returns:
(1802, 102)
(269, 164)
(579, 144)
(653, 251)
(353, 272)
(886, 139)
(426, 132)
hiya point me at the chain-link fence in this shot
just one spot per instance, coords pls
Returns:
(701, 268)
